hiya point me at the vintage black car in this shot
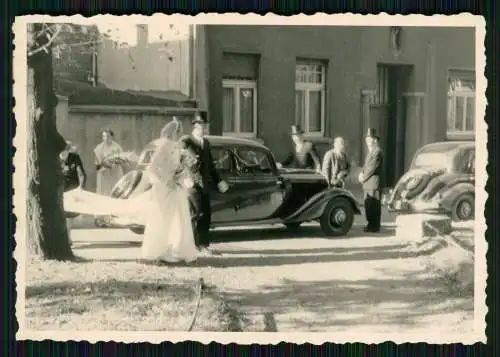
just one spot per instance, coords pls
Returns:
(259, 192)
(441, 179)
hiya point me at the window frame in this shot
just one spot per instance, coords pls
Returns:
(307, 88)
(236, 85)
(269, 157)
(232, 167)
(452, 97)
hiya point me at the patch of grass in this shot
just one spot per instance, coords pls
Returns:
(119, 296)
(454, 266)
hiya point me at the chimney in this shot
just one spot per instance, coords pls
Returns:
(142, 35)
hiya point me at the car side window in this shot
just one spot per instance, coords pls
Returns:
(467, 161)
(222, 159)
(253, 161)
(472, 162)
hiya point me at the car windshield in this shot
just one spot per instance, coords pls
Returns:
(447, 155)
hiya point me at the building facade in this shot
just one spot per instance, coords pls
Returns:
(415, 85)
(148, 66)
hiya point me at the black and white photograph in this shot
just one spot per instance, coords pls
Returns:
(303, 178)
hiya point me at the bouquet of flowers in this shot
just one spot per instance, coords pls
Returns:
(127, 160)
(188, 168)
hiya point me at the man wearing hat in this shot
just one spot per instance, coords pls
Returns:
(370, 179)
(304, 155)
(200, 192)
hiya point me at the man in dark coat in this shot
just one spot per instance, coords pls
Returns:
(370, 179)
(206, 175)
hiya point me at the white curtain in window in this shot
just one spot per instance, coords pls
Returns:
(314, 111)
(300, 108)
(228, 110)
(246, 110)
(470, 114)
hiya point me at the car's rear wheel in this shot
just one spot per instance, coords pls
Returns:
(337, 218)
(463, 209)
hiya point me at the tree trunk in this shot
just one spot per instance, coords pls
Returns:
(47, 233)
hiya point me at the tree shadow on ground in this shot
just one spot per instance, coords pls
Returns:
(80, 245)
(263, 258)
(321, 250)
(257, 234)
(322, 305)
(368, 254)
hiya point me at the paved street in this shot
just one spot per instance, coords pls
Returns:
(303, 282)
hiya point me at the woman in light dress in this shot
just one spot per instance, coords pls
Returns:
(108, 173)
(168, 232)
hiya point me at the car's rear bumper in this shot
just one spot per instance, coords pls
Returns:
(416, 206)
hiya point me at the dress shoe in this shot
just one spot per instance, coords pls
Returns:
(371, 230)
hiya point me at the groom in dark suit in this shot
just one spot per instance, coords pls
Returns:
(370, 179)
(200, 192)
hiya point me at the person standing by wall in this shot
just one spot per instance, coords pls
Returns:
(369, 177)
(108, 173)
(336, 165)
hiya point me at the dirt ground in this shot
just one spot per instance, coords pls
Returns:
(281, 282)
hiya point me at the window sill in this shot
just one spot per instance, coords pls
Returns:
(240, 135)
(317, 138)
(458, 135)
(249, 136)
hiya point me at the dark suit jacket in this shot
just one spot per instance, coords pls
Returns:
(372, 170)
(205, 166)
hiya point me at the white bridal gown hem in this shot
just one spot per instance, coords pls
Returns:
(163, 210)
(168, 235)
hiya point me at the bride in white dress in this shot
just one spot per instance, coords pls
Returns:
(168, 234)
(164, 209)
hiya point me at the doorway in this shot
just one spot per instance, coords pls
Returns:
(387, 116)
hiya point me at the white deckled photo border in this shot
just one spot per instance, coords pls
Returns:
(20, 181)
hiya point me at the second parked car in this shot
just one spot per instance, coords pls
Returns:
(441, 179)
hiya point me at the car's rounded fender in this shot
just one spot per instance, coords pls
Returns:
(314, 207)
(126, 184)
(449, 194)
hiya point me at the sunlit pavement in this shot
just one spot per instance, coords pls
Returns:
(122, 244)
(305, 282)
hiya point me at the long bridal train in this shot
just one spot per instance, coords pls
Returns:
(85, 202)
(168, 235)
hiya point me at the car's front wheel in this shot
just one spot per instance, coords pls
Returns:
(463, 209)
(337, 218)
